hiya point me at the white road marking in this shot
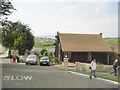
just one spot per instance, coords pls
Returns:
(96, 78)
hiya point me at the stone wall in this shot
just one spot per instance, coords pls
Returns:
(100, 68)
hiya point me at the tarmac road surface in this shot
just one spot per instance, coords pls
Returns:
(23, 76)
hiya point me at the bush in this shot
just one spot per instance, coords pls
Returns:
(43, 51)
(113, 56)
(36, 53)
(98, 63)
(46, 53)
(50, 54)
(55, 60)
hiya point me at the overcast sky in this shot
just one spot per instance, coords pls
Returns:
(46, 17)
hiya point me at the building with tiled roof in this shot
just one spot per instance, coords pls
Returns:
(82, 47)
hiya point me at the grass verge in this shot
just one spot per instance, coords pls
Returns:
(113, 78)
(108, 77)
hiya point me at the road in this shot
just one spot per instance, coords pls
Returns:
(45, 77)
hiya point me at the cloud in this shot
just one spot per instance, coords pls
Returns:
(80, 18)
(41, 1)
(99, 0)
(17, 15)
(107, 26)
(100, 8)
(89, 9)
(26, 1)
(30, 1)
(70, 7)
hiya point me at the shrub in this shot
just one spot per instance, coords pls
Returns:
(98, 63)
(44, 50)
(113, 56)
(46, 53)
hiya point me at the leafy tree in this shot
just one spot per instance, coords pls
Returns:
(46, 53)
(24, 39)
(43, 51)
(18, 36)
(0, 36)
(6, 7)
(50, 54)
(8, 29)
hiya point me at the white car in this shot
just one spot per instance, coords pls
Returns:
(22, 58)
(44, 61)
(31, 59)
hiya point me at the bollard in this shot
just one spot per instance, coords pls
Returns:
(66, 64)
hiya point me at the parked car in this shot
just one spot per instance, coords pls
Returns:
(22, 58)
(44, 61)
(31, 59)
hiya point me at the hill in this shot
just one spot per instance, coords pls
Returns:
(114, 43)
(112, 40)
(44, 43)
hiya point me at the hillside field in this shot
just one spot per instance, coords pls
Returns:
(112, 40)
(47, 43)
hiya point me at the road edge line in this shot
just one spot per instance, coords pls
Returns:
(96, 78)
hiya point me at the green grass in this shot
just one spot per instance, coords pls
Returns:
(38, 60)
(113, 78)
(44, 42)
(47, 47)
(112, 40)
(108, 77)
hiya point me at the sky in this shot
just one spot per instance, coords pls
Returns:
(46, 17)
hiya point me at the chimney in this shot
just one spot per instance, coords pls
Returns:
(101, 34)
(57, 33)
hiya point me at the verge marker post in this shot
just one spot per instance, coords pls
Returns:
(66, 64)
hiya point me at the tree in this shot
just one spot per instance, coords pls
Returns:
(0, 36)
(6, 7)
(17, 36)
(8, 29)
(23, 39)
(46, 53)
(43, 51)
